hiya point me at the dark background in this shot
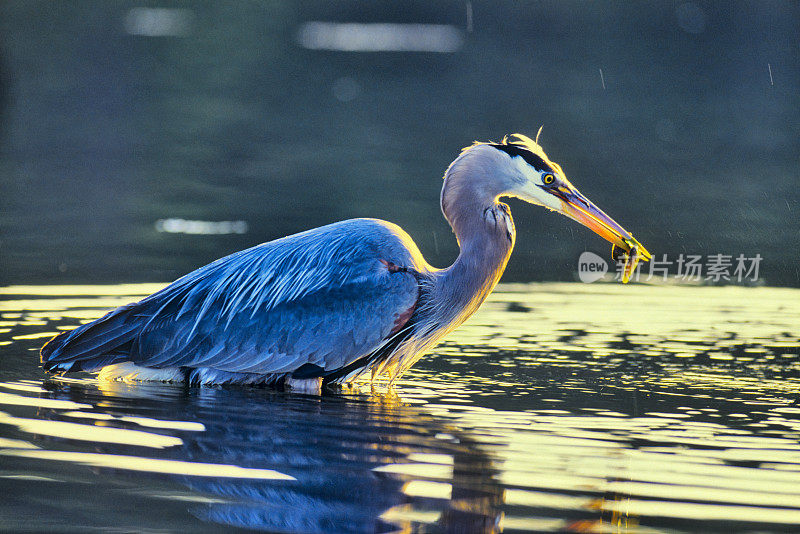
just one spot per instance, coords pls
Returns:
(690, 145)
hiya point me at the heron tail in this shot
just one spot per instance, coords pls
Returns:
(94, 345)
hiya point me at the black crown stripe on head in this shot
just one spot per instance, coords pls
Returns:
(516, 150)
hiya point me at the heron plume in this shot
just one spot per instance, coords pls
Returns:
(521, 141)
(517, 139)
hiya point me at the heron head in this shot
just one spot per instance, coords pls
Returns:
(527, 173)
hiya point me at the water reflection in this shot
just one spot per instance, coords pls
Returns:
(268, 460)
(557, 408)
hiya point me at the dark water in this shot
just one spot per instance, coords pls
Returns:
(557, 407)
(680, 119)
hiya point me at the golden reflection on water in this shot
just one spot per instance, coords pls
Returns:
(101, 290)
(91, 433)
(150, 465)
(581, 408)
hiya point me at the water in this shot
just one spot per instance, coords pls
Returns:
(557, 407)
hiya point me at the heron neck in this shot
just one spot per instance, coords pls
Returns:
(486, 242)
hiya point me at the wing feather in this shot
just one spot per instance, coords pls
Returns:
(323, 297)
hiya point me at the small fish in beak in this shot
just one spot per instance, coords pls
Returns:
(631, 257)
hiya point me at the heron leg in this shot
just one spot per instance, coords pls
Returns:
(304, 385)
(128, 372)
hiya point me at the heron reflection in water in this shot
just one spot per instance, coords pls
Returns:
(344, 301)
(357, 461)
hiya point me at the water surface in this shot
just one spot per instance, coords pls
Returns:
(557, 407)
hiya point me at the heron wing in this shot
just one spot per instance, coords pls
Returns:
(323, 297)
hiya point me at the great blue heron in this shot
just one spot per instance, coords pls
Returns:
(335, 303)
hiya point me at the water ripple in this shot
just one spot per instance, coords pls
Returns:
(558, 407)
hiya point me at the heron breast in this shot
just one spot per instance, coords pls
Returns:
(402, 319)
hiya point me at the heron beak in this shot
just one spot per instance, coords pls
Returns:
(578, 207)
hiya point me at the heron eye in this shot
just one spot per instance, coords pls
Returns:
(548, 179)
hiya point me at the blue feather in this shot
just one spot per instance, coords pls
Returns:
(321, 297)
